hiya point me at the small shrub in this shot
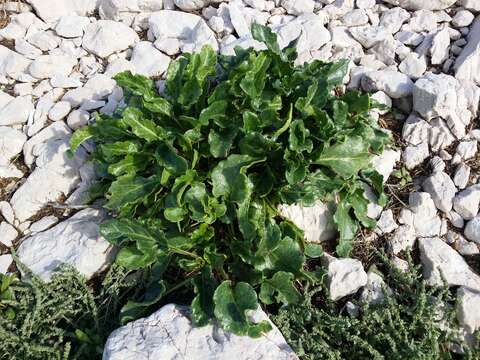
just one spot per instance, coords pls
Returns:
(413, 322)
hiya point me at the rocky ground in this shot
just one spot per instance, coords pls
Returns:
(419, 57)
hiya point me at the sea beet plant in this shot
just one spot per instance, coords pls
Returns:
(194, 175)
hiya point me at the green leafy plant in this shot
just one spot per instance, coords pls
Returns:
(403, 176)
(195, 175)
(413, 321)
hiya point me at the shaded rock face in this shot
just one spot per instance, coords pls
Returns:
(75, 242)
(439, 261)
(169, 334)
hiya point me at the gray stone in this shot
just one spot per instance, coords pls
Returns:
(7, 234)
(386, 223)
(316, 221)
(468, 303)
(466, 202)
(191, 30)
(345, 276)
(47, 66)
(422, 4)
(55, 175)
(413, 66)
(462, 18)
(468, 62)
(148, 61)
(462, 175)
(440, 46)
(169, 334)
(393, 83)
(51, 10)
(75, 242)
(440, 261)
(442, 190)
(16, 111)
(59, 111)
(402, 239)
(11, 144)
(472, 230)
(71, 26)
(106, 37)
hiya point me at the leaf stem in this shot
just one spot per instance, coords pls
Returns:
(286, 125)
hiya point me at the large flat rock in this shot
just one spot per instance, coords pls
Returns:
(169, 334)
(76, 242)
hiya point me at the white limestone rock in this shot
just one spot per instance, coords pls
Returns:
(442, 190)
(121, 10)
(7, 212)
(416, 134)
(76, 242)
(5, 262)
(468, 62)
(462, 18)
(393, 83)
(422, 4)
(385, 162)
(468, 303)
(472, 5)
(465, 247)
(413, 66)
(117, 66)
(392, 19)
(51, 10)
(77, 119)
(472, 230)
(369, 35)
(386, 223)
(169, 334)
(462, 175)
(55, 175)
(43, 224)
(12, 64)
(422, 215)
(316, 221)
(44, 40)
(439, 261)
(7, 234)
(440, 46)
(298, 7)
(105, 37)
(309, 29)
(189, 5)
(47, 66)
(440, 95)
(71, 26)
(402, 239)
(148, 61)
(467, 201)
(11, 144)
(344, 276)
(373, 293)
(191, 30)
(59, 111)
(16, 111)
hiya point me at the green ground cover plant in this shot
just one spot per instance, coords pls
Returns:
(194, 176)
(413, 322)
(66, 318)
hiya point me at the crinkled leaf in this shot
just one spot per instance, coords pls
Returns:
(202, 305)
(279, 289)
(346, 158)
(229, 179)
(231, 305)
(141, 126)
(347, 228)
